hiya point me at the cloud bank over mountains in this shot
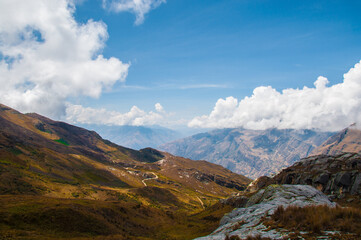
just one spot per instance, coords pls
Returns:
(135, 117)
(47, 57)
(321, 107)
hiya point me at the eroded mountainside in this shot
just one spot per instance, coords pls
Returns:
(347, 140)
(252, 153)
(59, 180)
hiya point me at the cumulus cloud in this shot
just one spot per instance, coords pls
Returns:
(135, 117)
(138, 7)
(47, 57)
(320, 107)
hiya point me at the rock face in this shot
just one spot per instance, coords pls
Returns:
(252, 153)
(347, 140)
(336, 175)
(247, 221)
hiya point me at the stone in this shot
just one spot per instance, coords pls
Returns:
(322, 178)
(356, 186)
(343, 179)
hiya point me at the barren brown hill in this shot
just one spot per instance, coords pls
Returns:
(347, 140)
(55, 167)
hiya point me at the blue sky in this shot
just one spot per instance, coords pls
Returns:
(189, 54)
(237, 45)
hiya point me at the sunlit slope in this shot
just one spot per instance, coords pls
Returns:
(42, 160)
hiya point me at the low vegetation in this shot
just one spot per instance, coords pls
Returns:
(317, 219)
(38, 217)
(62, 141)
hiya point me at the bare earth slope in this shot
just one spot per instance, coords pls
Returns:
(347, 140)
(252, 153)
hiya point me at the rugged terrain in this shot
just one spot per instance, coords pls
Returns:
(252, 153)
(346, 140)
(251, 219)
(58, 180)
(338, 175)
(296, 203)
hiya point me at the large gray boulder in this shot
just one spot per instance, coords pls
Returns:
(247, 221)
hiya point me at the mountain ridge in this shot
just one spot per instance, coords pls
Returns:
(135, 137)
(346, 140)
(252, 153)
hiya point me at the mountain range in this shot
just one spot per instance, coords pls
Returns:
(59, 181)
(135, 137)
(252, 153)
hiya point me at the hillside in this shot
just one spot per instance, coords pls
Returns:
(53, 170)
(135, 137)
(252, 153)
(346, 140)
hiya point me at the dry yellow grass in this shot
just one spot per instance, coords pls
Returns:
(316, 219)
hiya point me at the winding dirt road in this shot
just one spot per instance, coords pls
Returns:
(156, 177)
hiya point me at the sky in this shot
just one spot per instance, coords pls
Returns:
(184, 63)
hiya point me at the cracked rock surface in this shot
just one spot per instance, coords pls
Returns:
(247, 221)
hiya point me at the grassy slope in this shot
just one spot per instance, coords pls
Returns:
(60, 181)
(38, 217)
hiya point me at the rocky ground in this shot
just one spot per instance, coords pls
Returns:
(248, 220)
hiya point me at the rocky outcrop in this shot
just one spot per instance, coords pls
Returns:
(247, 221)
(334, 175)
(258, 184)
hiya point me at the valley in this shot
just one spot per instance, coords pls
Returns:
(180, 120)
(60, 181)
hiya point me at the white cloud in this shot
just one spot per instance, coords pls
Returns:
(138, 7)
(135, 117)
(47, 57)
(321, 107)
(159, 107)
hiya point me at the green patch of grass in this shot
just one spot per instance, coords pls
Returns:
(75, 194)
(62, 141)
(5, 162)
(15, 151)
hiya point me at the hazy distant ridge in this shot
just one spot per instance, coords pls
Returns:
(135, 137)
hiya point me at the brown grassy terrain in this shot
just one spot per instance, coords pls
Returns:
(61, 181)
(36, 217)
(318, 219)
